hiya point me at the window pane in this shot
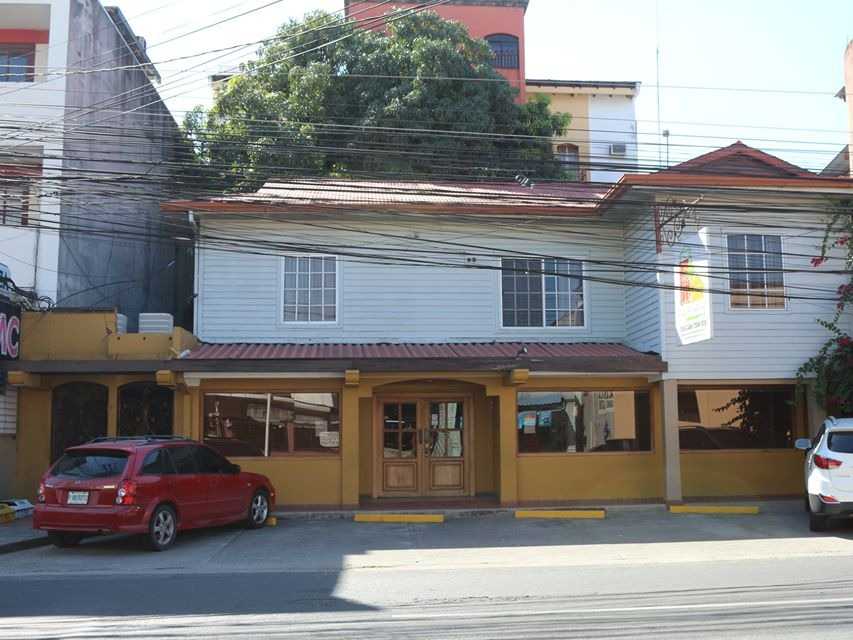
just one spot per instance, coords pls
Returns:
(145, 408)
(522, 292)
(90, 465)
(211, 462)
(304, 423)
(757, 268)
(157, 463)
(584, 421)
(309, 286)
(235, 423)
(737, 418)
(841, 441)
(184, 459)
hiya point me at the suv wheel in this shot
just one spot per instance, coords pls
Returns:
(64, 540)
(163, 528)
(259, 510)
(818, 522)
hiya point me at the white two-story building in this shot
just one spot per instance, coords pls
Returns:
(366, 341)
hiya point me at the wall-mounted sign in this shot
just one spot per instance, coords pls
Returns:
(692, 301)
(10, 330)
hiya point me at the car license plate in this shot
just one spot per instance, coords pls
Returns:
(78, 497)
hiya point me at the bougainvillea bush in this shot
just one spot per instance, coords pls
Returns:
(831, 369)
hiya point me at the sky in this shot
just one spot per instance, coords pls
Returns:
(761, 71)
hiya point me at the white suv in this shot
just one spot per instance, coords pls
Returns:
(829, 472)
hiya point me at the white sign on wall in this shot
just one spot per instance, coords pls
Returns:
(692, 301)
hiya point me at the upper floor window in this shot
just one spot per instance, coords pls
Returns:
(17, 62)
(568, 155)
(14, 200)
(542, 293)
(505, 49)
(756, 280)
(310, 289)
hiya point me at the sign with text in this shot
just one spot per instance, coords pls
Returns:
(10, 330)
(692, 301)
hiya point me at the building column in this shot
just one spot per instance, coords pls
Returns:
(349, 440)
(508, 445)
(671, 446)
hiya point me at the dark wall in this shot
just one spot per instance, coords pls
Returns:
(115, 246)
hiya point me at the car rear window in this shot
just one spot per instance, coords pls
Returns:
(841, 442)
(90, 464)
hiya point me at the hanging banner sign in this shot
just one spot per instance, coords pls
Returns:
(10, 331)
(692, 301)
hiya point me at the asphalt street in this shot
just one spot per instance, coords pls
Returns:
(640, 573)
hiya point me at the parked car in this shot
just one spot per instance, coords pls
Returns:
(155, 486)
(829, 472)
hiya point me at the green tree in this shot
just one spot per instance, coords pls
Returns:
(326, 98)
(831, 369)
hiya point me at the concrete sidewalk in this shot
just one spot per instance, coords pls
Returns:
(19, 535)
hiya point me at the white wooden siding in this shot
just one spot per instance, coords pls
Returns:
(240, 293)
(642, 302)
(8, 411)
(755, 344)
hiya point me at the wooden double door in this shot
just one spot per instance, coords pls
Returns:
(423, 447)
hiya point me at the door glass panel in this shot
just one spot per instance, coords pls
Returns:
(409, 412)
(392, 444)
(446, 424)
(407, 444)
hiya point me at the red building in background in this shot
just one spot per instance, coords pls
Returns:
(499, 22)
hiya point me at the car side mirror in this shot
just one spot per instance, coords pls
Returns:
(235, 469)
(803, 444)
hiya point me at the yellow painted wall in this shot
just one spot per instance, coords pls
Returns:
(365, 449)
(33, 441)
(577, 106)
(300, 481)
(485, 445)
(742, 473)
(53, 335)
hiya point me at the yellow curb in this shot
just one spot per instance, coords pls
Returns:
(414, 518)
(563, 514)
(714, 509)
(272, 521)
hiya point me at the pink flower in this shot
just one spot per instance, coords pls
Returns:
(817, 261)
(842, 241)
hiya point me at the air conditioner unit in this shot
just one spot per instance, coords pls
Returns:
(619, 149)
(156, 323)
(121, 323)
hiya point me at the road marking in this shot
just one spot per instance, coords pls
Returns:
(561, 514)
(711, 509)
(406, 518)
(609, 610)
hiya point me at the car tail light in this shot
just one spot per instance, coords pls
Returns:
(41, 497)
(126, 493)
(826, 463)
(828, 499)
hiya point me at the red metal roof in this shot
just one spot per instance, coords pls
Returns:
(741, 159)
(600, 356)
(410, 350)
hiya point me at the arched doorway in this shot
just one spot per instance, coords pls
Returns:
(145, 408)
(79, 414)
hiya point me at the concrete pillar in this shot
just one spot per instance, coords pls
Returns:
(671, 448)
(112, 408)
(349, 446)
(508, 445)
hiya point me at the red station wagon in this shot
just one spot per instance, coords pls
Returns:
(154, 486)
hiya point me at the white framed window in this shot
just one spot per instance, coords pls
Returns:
(309, 289)
(542, 293)
(756, 277)
(14, 200)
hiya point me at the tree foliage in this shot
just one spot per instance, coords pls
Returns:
(831, 369)
(327, 98)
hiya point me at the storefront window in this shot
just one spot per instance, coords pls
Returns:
(583, 421)
(79, 415)
(737, 418)
(262, 424)
(145, 408)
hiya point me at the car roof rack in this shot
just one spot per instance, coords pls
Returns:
(147, 438)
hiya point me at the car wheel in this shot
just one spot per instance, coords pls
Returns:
(64, 540)
(259, 510)
(818, 522)
(163, 528)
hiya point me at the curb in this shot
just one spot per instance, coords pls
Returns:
(561, 514)
(400, 518)
(744, 510)
(23, 545)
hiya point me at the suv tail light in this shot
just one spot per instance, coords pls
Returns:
(826, 463)
(41, 497)
(126, 493)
